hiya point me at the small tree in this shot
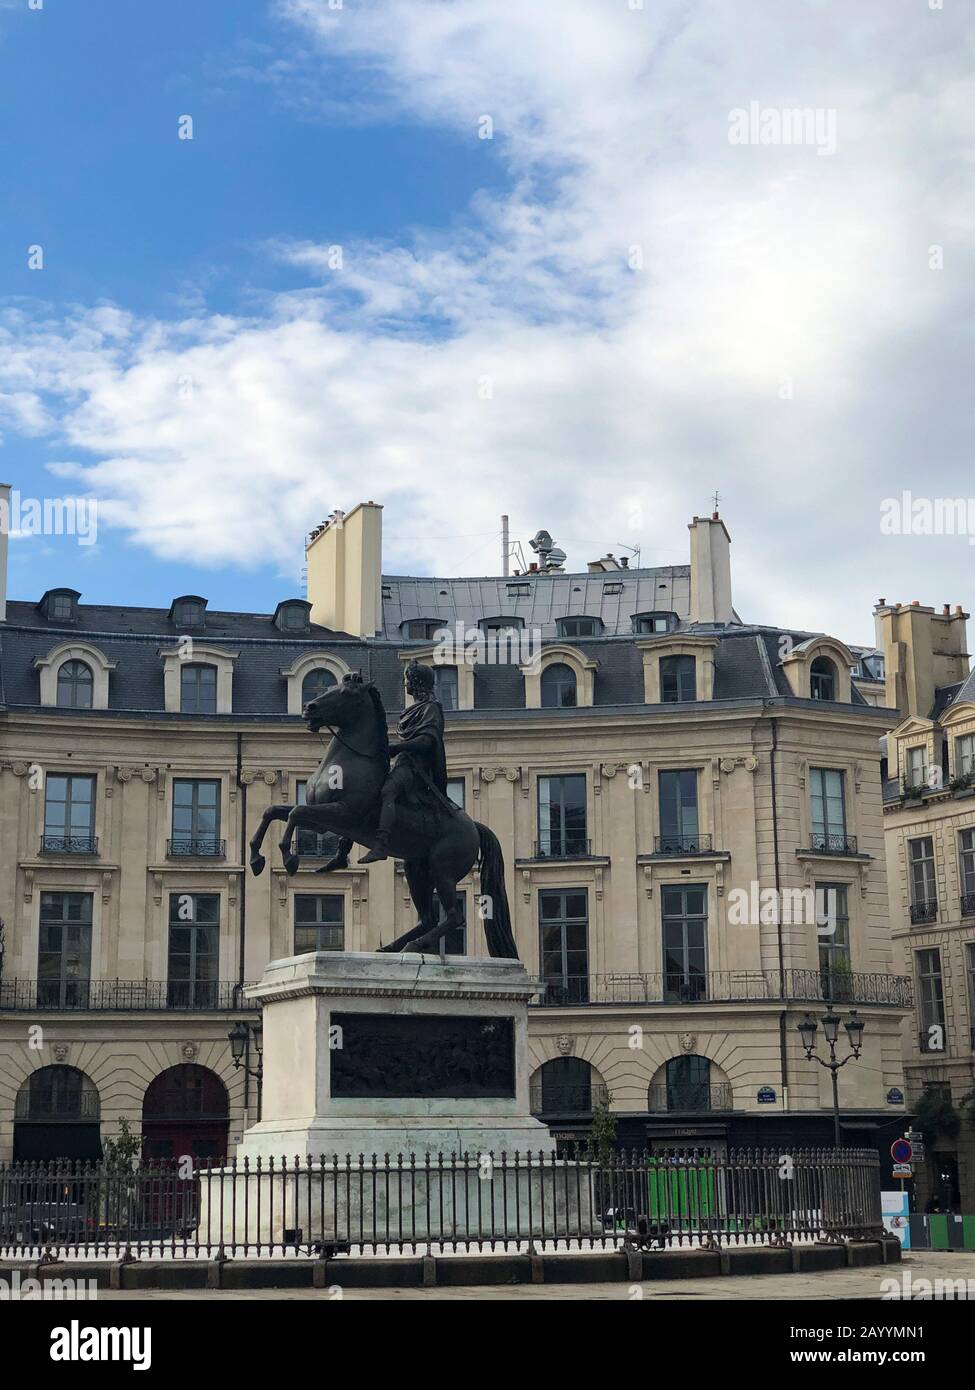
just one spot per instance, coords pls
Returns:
(602, 1134)
(119, 1155)
(936, 1115)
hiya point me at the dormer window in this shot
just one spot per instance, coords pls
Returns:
(822, 679)
(189, 611)
(580, 626)
(649, 623)
(421, 629)
(293, 615)
(678, 679)
(60, 605)
(519, 589)
(502, 624)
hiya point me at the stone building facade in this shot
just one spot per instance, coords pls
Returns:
(675, 790)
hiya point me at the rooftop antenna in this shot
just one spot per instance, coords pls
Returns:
(716, 499)
(634, 551)
(505, 556)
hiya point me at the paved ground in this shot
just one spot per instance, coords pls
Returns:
(836, 1284)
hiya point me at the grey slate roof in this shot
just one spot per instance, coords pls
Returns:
(550, 597)
(746, 659)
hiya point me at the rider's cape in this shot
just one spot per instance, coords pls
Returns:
(426, 717)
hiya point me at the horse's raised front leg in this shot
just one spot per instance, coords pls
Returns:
(281, 811)
(318, 818)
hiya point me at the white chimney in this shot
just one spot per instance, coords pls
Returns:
(4, 538)
(710, 571)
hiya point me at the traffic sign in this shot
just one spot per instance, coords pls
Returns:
(901, 1151)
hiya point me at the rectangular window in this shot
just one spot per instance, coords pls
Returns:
(563, 924)
(678, 679)
(966, 865)
(319, 922)
(562, 817)
(313, 844)
(917, 766)
(69, 803)
(64, 952)
(924, 892)
(455, 791)
(445, 685)
(677, 793)
(833, 936)
(194, 950)
(828, 808)
(965, 755)
(196, 817)
(198, 689)
(930, 1000)
(970, 974)
(685, 936)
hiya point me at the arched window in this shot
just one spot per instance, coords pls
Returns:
(185, 1112)
(75, 685)
(58, 1093)
(558, 686)
(822, 679)
(198, 689)
(563, 1086)
(316, 683)
(685, 1084)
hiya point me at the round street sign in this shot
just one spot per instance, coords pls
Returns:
(901, 1151)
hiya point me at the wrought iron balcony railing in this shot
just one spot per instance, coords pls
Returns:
(726, 986)
(567, 1100)
(968, 904)
(832, 844)
(57, 1105)
(689, 1099)
(68, 844)
(682, 844)
(122, 996)
(925, 911)
(567, 846)
(195, 847)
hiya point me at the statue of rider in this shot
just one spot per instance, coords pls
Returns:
(419, 754)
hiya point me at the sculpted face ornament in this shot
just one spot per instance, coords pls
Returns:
(565, 1043)
(688, 1042)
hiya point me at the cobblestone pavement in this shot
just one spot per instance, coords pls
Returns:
(832, 1285)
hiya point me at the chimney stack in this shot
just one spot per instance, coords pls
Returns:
(710, 571)
(344, 560)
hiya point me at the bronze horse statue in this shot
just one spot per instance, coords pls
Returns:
(437, 841)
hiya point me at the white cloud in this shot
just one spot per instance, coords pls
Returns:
(785, 340)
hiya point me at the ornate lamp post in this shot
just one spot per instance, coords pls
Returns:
(241, 1036)
(831, 1021)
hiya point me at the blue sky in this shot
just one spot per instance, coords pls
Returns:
(589, 320)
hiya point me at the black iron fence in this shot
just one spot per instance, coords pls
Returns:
(378, 1205)
(726, 986)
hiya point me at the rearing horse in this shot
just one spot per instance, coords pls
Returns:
(437, 841)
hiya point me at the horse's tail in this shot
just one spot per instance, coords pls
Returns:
(497, 922)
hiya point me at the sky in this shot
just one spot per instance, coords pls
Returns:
(562, 259)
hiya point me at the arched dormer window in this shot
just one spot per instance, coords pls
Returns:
(76, 685)
(822, 679)
(558, 686)
(74, 675)
(315, 668)
(316, 682)
(60, 605)
(559, 677)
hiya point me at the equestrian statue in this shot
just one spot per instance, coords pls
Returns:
(401, 810)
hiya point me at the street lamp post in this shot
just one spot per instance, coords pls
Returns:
(831, 1021)
(241, 1036)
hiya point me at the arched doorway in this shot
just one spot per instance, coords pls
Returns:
(185, 1113)
(57, 1115)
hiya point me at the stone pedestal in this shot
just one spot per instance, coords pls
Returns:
(395, 1112)
(407, 1055)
